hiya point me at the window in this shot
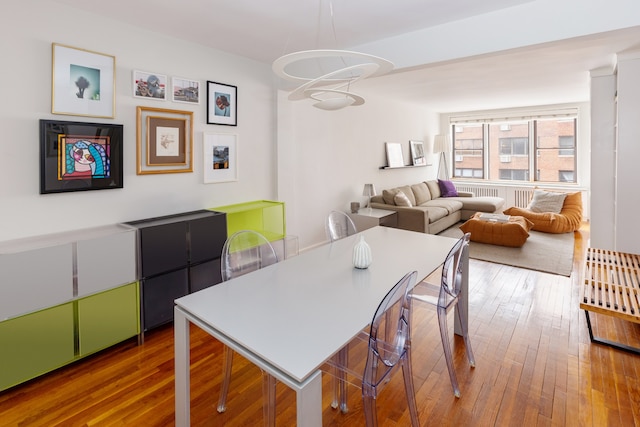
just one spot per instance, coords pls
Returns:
(500, 151)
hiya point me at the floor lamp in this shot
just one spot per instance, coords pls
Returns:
(442, 145)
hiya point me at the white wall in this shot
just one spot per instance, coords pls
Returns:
(627, 236)
(603, 158)
(25, 48)
(326, 157)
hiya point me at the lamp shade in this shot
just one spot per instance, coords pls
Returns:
(441, 144)
(369, 190)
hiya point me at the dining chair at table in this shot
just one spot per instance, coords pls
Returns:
(338, 225)
(388, 348)
(243, 252)
(445, 296)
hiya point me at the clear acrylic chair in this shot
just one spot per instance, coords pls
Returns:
(339, 225)
(387, 347)
(246, 251)
(445, 296)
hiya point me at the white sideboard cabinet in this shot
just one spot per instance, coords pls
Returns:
(64, 296)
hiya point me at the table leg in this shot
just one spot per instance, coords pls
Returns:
(463, 301)
(309, 402)
(182, 369)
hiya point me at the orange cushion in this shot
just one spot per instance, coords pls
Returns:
(569, 218)
(513, 233)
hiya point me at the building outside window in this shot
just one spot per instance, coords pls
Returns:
(534, 150)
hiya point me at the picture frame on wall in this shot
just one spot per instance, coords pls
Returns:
(164, 140)
(82, 82)
(185, 90)
(80, 156)
(220, 158)
(150, 85)
(417, 153)
(222, 104)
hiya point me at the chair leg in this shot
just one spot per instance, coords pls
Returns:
(446, 345)
(269, 399)
(465, 334)
(369, 406)
(226, 378)
(410, 391)
(339, 382)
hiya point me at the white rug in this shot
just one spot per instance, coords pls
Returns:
(550, 253)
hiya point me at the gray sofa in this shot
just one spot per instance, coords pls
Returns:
(424, 210)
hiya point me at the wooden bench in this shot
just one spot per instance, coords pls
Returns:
(611, 286)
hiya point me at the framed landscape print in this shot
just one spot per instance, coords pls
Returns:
(164, 141)
(150, 85)
(222, 104)
(77, 156)
(417, 153)
(82, 82)
(185, 90)
(220, 158)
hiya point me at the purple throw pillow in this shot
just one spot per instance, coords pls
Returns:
(447, 189)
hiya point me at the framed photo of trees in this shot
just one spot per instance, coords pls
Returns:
(82, 82)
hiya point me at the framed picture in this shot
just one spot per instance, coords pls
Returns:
(185, 90)
(164, 141)
(222, 104)
(77, 156)
(149, 85)
(220, 158)
(417, 153)
(82, 82)
(394, 155)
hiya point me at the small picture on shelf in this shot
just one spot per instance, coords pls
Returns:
(394, 155)
(417, 153)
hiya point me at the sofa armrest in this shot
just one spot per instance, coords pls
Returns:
(414, 218)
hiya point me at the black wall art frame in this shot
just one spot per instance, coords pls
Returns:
(79, 156)
(222, 104)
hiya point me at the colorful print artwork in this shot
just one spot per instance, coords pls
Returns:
(83, 157)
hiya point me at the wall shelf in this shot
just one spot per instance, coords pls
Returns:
(404, 167)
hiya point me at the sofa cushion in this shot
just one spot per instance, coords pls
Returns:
(421, 193)
(447, 189)
(546, 201)
(434, 189)
(435, 213)
(481, 203)
(401, 199)
(448, 204)
(513, 233)
(388, 196)
(406, 189)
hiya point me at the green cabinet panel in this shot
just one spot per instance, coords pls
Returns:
(107, 318)
(264, 216)
(35, 344)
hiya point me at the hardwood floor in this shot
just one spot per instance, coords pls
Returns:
(534, 366)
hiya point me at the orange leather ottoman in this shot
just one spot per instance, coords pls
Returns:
(513, 233)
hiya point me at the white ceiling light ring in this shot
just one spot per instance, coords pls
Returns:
(279, 65)
(302, 91)
(316, 95)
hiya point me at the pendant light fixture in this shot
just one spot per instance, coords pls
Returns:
(326, 75)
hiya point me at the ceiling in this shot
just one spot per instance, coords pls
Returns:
(264, 30)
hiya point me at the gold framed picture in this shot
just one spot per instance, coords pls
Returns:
(164, 141)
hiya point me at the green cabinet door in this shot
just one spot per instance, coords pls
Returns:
(107, 318)
(34, 344)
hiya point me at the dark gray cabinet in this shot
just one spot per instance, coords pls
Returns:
(177, 255)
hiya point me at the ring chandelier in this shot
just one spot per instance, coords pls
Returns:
(332, 89)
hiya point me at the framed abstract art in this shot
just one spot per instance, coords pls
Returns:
(77, 156)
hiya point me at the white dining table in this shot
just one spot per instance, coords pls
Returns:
(291, 317)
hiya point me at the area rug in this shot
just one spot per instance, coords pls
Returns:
(550, 253)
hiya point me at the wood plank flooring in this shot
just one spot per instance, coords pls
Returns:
(535, 366)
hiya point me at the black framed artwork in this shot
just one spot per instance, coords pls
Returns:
(222, 104)
(79, 156)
